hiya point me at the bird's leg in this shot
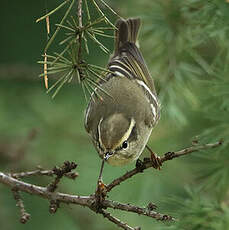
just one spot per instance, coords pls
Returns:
(100, 192)
(155, 159)
(101, 171)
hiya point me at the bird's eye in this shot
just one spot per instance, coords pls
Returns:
(124, 145)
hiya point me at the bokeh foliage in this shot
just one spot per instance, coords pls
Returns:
(185, 44)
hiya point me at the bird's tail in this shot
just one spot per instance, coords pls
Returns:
(127, 31)
(127, 59)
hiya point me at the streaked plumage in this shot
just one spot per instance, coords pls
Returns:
(129, 109)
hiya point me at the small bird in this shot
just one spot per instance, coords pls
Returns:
(124, 108)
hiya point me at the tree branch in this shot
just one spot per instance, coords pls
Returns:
(135, 209)
(43, 191)
(116, 221)
(91, 201)
(167, 156)
(40, 172)
(24, 215)
(60, 172)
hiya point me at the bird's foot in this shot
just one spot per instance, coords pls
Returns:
(100, 195)
(155, 159)
(140, 166)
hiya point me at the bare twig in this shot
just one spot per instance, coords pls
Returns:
(43, 192)
(167, 156)
(40, 172)
(24, 215)
(87, 201)
(116, 221)
(74, 199)
(194, 148)
(56, 198)
(135, 209)
(60, 172)
(54, 205)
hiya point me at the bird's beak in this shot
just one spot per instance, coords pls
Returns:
(107, 155)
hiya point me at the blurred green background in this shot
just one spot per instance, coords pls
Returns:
(38, 130)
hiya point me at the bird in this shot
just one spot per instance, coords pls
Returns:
(124, 107)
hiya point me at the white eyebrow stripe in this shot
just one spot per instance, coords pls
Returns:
(127, 133)
(99, 133)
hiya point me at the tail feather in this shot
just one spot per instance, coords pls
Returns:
(133, 28)
(127, 31)
(127, 59)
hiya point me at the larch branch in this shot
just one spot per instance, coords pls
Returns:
(13, 180)
(166, 157)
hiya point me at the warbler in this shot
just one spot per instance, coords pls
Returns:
(124, 108)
